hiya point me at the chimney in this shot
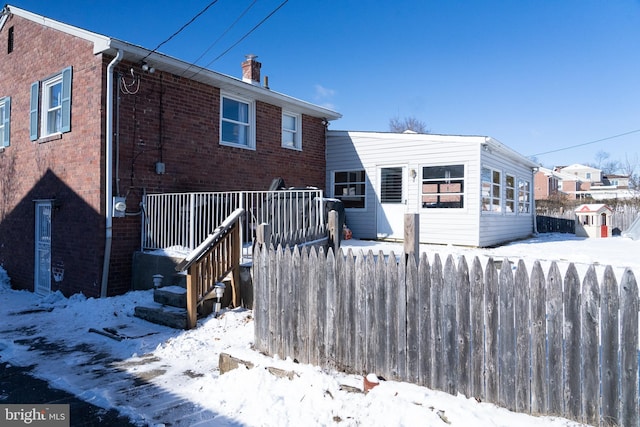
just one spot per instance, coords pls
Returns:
(251, 70)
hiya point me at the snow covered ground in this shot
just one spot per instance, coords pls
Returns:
(161, 376)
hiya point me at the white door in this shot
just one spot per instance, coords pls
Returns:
(392, 195)
(42, 279)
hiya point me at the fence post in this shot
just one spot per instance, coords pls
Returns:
(263, 234)
(412, 236)
(334, 232)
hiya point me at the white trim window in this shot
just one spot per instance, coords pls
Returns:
(51, 119)
(510, 194)
(524, 196)
(5, 121)
(237, 122)
(491, 190)
(50, 105)
(442, 187)
(350, 187)
(291, 132)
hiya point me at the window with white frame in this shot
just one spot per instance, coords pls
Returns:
(491, 187)
(237, 122)
(349, 186)
(5, 121)
(524, 196)
(291, 134)
(510, 194)
(50, 105)
(443, 186)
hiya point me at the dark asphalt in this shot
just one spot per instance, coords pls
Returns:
(17, 386)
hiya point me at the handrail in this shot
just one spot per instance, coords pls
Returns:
(211, 262)
(210, 241)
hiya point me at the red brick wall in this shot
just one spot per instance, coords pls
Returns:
(65, 168)
(176, 121)
(165, 118)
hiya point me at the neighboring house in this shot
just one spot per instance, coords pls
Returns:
(586, 174)
(618, 181)
(467, 190)
(592, 183)
(549, 184)
(86, 118)
(545, 184)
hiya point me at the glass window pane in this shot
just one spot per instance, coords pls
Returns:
(54, 121)
(234, 133)
(443, 186)
(348, 189)
(55, 95)
(287, 138)
(341, 176)
(235, 110)
(289, 122)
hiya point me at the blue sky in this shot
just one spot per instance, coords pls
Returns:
(538, 75)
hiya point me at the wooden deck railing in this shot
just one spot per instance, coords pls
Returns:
(211, 262)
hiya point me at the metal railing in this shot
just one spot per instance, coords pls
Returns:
(186, 219)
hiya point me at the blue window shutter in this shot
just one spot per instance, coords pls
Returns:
(7, 120)
(66, 100)
(33, 111)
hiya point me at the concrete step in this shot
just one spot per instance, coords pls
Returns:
(163, 315)
(169, 315)
(175, 296)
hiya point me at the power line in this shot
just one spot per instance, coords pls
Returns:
(248, 33)
(181, 28)
(221, 36)
(586, 143)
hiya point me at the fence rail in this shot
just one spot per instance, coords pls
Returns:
(524, 341)
(186, 219)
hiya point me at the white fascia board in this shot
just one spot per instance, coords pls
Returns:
(510, 153)
(99, 41)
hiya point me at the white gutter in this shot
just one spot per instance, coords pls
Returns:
(108, 161)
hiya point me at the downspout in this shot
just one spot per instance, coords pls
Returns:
(108, 175)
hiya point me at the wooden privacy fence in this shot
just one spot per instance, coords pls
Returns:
(526, 342)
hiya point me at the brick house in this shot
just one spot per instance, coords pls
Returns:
(85, 118)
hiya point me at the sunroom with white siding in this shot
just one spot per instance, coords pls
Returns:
(467, 190)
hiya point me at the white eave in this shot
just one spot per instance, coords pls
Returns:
(135, 54)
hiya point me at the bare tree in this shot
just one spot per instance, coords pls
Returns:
(606, 165)
(601, 156)
(630, 168)
(407, 124)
